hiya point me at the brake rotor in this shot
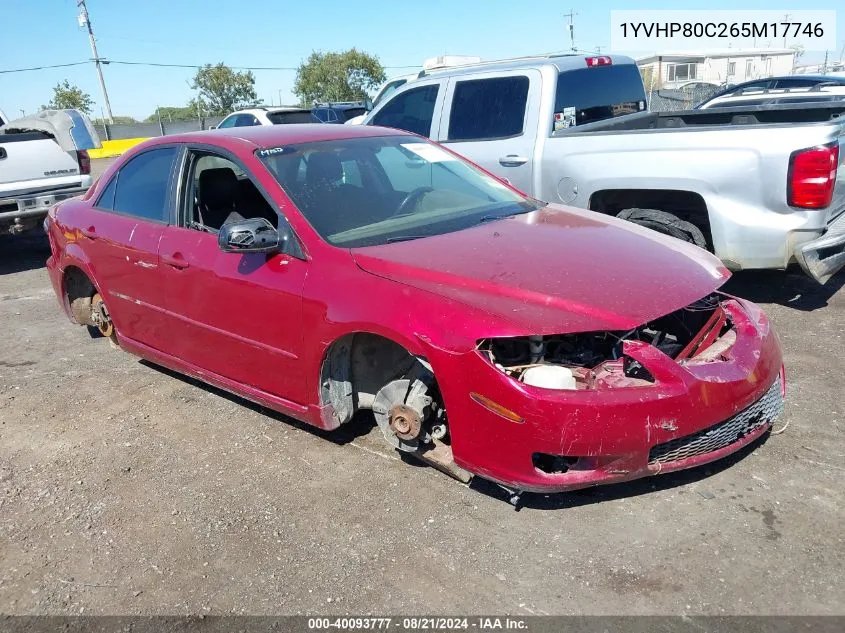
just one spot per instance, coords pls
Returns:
(404, 422)
(101, 316)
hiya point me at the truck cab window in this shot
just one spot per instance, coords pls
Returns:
(412, 110)
(488, 108)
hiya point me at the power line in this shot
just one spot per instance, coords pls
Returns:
(23, 70)
(103, 60)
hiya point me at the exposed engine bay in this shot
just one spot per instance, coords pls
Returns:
(699, 332)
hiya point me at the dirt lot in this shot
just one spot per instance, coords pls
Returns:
(126, 489)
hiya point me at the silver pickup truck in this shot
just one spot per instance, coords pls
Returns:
(43, 159)
(755, 185)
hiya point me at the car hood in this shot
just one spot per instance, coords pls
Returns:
(553, 271)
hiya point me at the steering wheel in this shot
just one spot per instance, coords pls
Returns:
(415, 196)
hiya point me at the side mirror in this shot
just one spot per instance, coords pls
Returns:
(369, 105)
(212, 127)
(255, 235)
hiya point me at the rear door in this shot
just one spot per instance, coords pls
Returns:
(492, 118)
(121, 235)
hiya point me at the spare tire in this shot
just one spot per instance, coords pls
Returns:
(665, 223)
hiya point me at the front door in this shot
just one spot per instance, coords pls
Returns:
(236, 315)
(492, 119)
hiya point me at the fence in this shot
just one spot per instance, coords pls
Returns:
(686, 98)
(120, 131)
(119, 137)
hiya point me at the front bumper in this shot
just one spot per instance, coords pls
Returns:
(824, 256)
(22, 212)
(693, 414)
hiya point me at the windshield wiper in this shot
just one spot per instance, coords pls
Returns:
(404, 238)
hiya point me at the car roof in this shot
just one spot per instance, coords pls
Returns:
(264, 136)
(269, 110)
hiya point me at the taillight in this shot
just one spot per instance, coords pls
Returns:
(84, 161)
(601, 60)
(812, 176)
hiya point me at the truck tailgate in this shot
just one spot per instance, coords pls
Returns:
(31, 162)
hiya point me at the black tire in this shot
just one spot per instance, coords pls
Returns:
(665, 223)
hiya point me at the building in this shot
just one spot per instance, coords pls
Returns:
(674, 69)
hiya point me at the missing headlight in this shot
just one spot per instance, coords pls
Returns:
(596, 359)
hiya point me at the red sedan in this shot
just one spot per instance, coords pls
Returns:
(325, 270)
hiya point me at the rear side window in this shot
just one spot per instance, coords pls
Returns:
(106, 200)
(594, 94)
(412, 110)
(488, 108)
(282, 118)
(142, 185)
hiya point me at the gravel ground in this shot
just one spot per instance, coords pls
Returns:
(126, 489)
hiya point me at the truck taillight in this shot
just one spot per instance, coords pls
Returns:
(601, 60)
(812, 176)
(84, 161)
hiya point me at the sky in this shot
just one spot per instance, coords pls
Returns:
(281, 33)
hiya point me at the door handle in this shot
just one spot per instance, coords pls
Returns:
(177, 260)
(3, 153)
(512, 160)
(90, 233)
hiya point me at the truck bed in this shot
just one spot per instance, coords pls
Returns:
(774, 114)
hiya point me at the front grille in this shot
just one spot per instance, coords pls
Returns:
(761, 413)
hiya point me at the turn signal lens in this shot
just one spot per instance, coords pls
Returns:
(496, 408)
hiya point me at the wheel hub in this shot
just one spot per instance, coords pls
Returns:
(404, 422)
(100, 316)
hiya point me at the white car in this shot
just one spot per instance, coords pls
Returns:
(268, 116)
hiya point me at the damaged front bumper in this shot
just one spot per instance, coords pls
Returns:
(693, 413)
(824, 256)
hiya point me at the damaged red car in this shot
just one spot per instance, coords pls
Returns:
(325, 270)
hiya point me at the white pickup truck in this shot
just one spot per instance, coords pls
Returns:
(43, 159)
(756, 185)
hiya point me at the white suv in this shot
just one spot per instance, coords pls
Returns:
(268, 116)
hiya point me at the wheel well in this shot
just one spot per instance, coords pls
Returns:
(356, 367)
(77, 285)
(686, 205)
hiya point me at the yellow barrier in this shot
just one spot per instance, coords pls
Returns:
(114, 148)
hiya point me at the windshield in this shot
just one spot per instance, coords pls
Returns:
(593, 94)
(295, 116)
(375, 190)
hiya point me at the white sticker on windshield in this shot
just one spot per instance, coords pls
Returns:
(431, 153)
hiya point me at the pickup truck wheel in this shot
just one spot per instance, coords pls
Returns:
(665, 223)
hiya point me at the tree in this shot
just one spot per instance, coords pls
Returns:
(119, 120)
(67, 96)
(173, 113)
(222, 90)
(346, 76)
(651, 80)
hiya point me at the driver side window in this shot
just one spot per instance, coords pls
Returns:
(412, 110)
(218, 191)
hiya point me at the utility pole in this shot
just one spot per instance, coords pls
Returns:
(571, 15)
(786, 19)
(85, 20)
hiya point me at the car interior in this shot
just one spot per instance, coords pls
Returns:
(223, 193)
